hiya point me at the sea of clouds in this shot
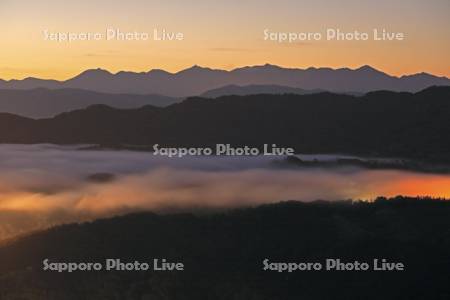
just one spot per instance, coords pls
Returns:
(45, 185)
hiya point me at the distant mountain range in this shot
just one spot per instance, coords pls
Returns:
(378, 123)
(45, 103)
(197, 80)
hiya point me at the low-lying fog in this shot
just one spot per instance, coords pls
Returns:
(43, 185)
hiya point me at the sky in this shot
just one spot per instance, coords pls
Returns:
(221, 34)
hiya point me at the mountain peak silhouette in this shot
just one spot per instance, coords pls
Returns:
(94, 73)
(158, 72)
(367, 68)
(195, 68)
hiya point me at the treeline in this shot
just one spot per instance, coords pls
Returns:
(224, 252)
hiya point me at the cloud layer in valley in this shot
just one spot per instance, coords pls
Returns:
(44, 185)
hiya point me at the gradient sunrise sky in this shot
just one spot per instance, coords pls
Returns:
(221, 34)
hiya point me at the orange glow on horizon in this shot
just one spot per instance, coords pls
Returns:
(221, 35)
(410, 185)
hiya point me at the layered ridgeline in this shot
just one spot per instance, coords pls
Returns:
(254, 89)
(45, 103)
(225, 256)
(379, 123)
(197, 80)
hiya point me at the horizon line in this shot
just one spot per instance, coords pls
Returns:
(364, 66)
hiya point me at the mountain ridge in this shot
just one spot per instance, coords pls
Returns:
(196, 80)
(253, 89)
(384, 123)
(45, 103)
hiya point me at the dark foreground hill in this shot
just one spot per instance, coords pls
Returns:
(379, 123)
(223, 254)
